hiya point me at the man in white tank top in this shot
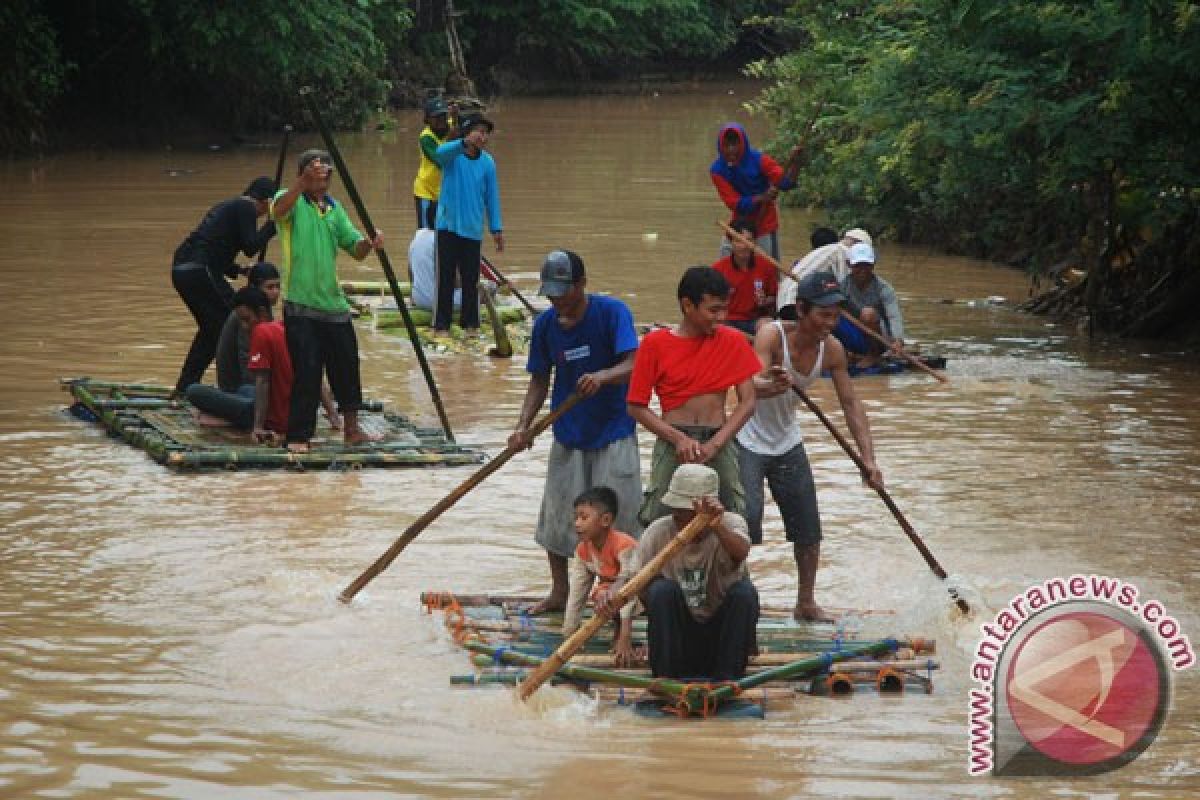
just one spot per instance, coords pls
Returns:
(771, 447)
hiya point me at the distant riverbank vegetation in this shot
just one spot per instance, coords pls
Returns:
(1053, 134)
(141, 71)
(1057, 135)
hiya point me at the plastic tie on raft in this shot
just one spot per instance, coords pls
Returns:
(498, 654)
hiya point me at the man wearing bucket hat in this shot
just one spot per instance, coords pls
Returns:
(427, 186)
(833, 257)
(469, 192)
(702, 607)
(588, 341)
(770, 443)
(873, 301)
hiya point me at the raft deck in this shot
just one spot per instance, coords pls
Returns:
(506, 642)
(145, 417)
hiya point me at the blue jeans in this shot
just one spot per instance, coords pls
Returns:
(791, 481)
(237, 407)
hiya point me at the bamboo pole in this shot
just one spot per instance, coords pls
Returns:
(887, 499)
(283, 146)
(624, 595)
(385, 262)
(756, 663)
(916, 362)
(663, 686)
(449, 500)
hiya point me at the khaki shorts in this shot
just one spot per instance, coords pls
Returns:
(662, 466)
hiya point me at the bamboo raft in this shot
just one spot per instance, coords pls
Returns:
(836, 658)
(373, 299)
(144, 416)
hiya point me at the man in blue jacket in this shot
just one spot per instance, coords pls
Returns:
(469, 191)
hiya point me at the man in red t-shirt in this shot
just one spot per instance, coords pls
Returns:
(691, 368)
(753, 282)
(269, 363)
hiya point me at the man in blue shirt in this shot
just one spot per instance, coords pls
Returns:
(589, 342)
(469, 190)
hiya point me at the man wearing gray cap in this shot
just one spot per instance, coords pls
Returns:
(702, 607)
(770, 443)
(588, 341)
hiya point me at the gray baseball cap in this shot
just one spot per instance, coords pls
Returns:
(560, 270)
(820, 288)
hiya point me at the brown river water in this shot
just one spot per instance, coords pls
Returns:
(177, 635)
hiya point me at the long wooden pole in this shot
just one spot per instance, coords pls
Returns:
(916, 362)
(423, 522)
(283, 146)
(516, 292)
(339, 162)
(624, 595)
(887, 500)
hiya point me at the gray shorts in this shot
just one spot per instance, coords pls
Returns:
(569, 472)
(791, 481)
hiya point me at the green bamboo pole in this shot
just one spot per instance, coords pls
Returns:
(664, 686)
(339, 162)
(801, 668)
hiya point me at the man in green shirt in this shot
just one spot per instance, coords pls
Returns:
(316, 316)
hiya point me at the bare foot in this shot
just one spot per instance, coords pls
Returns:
(209, 421)
(811, 612)
(549, 603)
(358, 438)
(300, 448)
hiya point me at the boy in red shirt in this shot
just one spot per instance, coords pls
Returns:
(691, 368)
(604, 555)
(269, 363)
(753, 282)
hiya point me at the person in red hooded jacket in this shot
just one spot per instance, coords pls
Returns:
(748, 182)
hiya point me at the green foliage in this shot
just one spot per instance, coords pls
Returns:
(35, 77)
(997, 129)
(235, 66)
(600, 36)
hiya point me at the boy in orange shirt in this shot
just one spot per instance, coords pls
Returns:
(604, 554)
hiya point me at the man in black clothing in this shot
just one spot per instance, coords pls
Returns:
(206, 257)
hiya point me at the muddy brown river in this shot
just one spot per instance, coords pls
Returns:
(170, 635)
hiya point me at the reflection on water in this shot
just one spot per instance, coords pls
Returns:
(176, 635)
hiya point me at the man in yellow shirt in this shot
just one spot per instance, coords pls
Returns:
(427, 186)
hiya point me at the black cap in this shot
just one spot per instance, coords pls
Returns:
(261, 188)
(820, 288)
(560, 271)
(469, 121)
(435, 106)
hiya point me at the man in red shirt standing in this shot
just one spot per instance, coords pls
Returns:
(691, 368)
(269, 363)
(752, 279)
